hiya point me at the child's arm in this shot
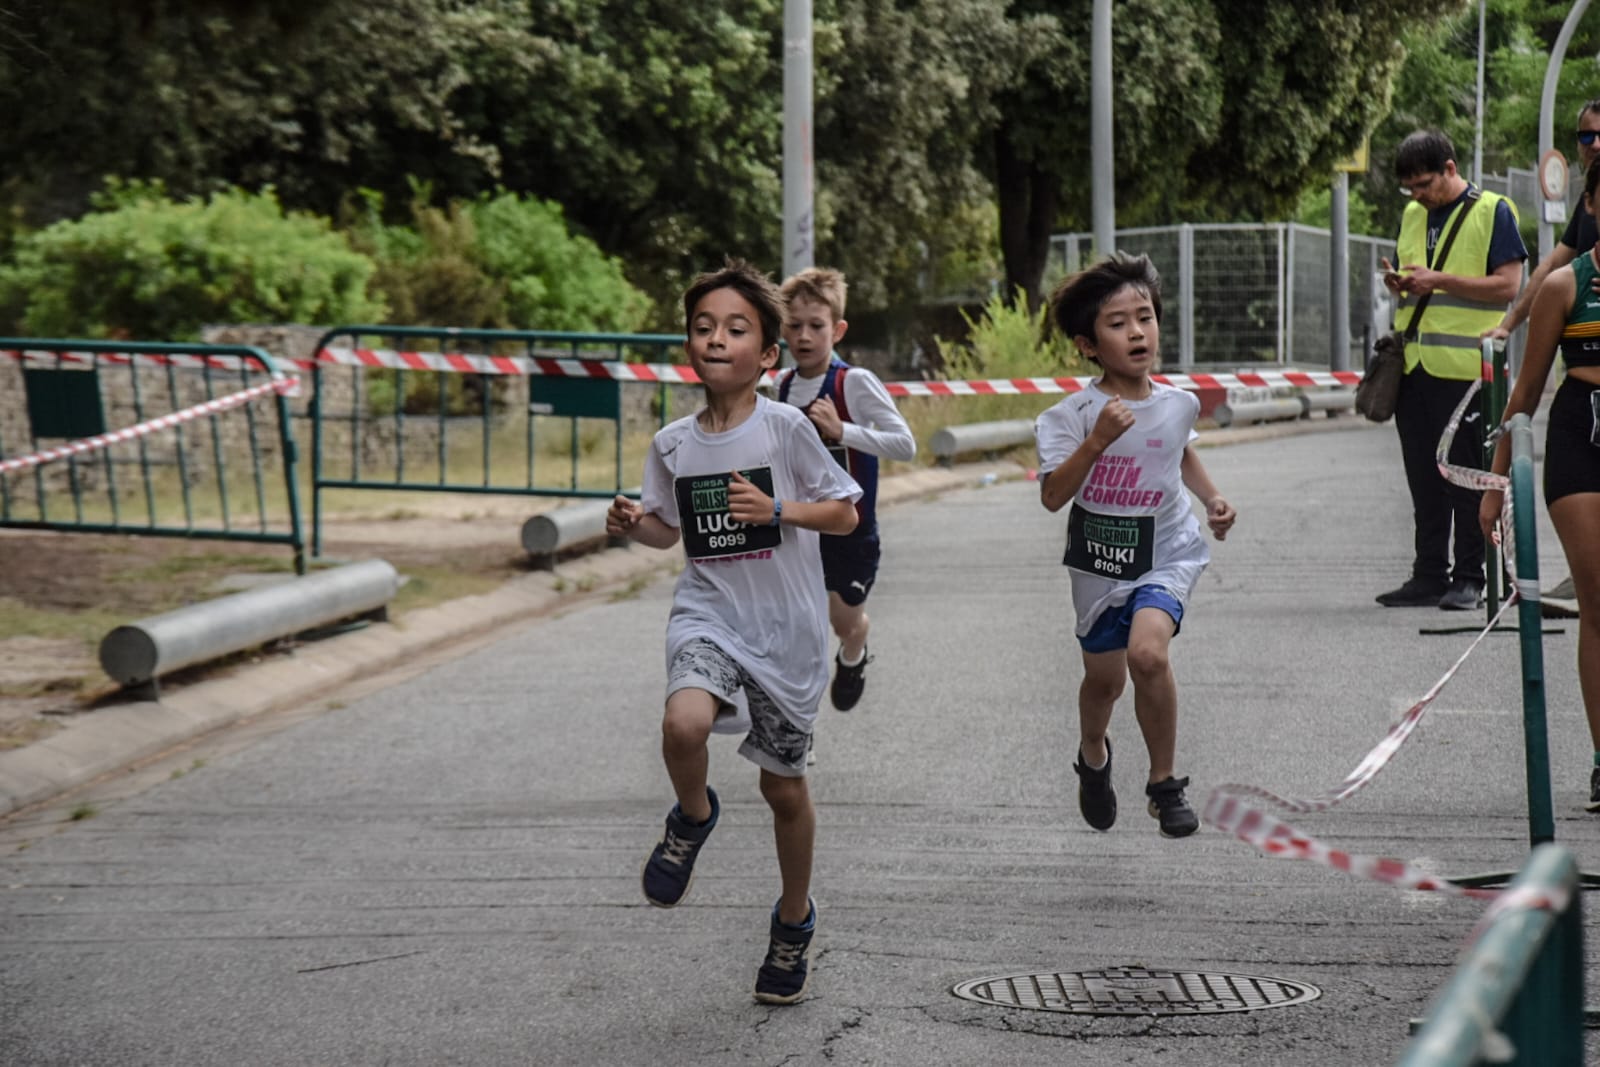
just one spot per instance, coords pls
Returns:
(1063, 483)
(628, 518)
(1219, 513)
(878, 429)
(747, 503)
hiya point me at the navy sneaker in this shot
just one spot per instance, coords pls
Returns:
(1168, 805)
(783, 974)
(1594, 791)
(670, 868)
(1096, 799)
(848, 682)
(1415, 593)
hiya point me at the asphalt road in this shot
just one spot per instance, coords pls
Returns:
(445, 868)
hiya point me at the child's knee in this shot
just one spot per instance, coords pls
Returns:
(1148, 659)
(687, 721)
(1106, 689)
(785, 796)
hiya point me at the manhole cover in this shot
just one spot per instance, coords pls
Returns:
(1136, 991)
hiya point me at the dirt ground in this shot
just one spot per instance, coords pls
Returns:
(61, 593)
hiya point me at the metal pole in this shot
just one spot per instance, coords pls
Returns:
(1477, 133)
(1535, 736)
(1103, 171)
(1547, 108)
(1339, 274)
(799, 247)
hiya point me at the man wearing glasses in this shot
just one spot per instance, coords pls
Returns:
(1470, 285)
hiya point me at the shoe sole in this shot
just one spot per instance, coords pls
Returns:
(1593, 805)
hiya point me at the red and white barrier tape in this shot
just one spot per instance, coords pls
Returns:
(164, 422)
(677, 374)
(1228, 809)
(38, 358)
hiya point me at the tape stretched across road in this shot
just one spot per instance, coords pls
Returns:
(1229, 806)
(150, 426)
(678, 374)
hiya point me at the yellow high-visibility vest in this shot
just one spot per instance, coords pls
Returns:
(1447, 342)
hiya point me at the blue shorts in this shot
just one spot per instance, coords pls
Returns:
(850, 565)
(1110, 631)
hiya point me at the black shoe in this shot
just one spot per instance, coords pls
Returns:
(1414, 594)
(1464, 594)
(1594, 791)
(1167, 804)
(670, 868)
(783, 974)
(848, 682)
(1096, 798)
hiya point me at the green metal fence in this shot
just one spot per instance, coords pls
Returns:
(155, 439)
(513, 412)
(1517, 996)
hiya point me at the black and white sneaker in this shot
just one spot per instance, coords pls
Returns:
(848, 681)
(1169, 806)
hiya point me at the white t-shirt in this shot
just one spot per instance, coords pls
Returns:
(1140, 474)
(876, 426)
(766, 609)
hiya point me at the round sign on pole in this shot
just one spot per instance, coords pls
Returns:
(1553, 175)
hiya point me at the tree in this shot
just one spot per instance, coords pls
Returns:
(1225, 109)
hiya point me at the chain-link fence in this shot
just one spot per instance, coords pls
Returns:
(1249, 293)
(1244, 293)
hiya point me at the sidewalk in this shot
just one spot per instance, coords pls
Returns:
(111, 738)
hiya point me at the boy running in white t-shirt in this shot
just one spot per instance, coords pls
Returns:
(1121, 453)
(747, 484)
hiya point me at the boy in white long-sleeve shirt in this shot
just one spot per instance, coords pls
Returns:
(859, 423)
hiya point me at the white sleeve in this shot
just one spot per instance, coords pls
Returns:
(819, 477)
(657, 493)
(876, 426)
(1059, 432)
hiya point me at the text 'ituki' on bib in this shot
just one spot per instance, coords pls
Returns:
(1113, 546)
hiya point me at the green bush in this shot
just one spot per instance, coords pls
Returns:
(499, 262)
(144, 267)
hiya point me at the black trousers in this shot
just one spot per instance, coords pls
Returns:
(1443, 513)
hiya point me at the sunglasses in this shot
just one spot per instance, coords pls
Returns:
(1586, 137)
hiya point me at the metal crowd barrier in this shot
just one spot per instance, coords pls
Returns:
(192, 454)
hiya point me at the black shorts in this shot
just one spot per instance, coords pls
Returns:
(1571, 456)
(850, 565)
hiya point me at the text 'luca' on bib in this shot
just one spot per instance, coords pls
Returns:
(709, 531)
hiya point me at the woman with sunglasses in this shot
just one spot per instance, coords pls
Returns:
(1564, 319)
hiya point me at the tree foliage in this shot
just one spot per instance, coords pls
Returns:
(147, 267)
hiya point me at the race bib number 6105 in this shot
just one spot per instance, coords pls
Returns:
(1112, 546)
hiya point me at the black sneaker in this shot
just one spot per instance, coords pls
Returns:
(783, 974)
(1594, 791)
(670, 868)
(1463, 595)
(1414, 594)
(1168, 805)
(1096, 798)
(848, 682)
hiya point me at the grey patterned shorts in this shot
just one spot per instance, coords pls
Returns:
(773, 743)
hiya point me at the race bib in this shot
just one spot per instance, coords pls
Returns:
(1121, 547)
(707, 528)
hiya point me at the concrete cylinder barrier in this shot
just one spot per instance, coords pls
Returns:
(1246, 412)
(139, 652)
(954, 441)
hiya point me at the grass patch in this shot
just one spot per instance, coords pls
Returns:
(23, 620)
(429, 585)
